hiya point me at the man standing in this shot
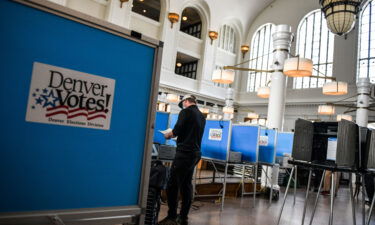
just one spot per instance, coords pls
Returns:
(189, 131)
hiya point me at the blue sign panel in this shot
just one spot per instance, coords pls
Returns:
(245, 140)
(267, 146)
(53, 167)
(216, 139)
(284, 143)
(161, 123)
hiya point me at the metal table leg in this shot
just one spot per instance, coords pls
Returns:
(271, 191)
(224, 186)
(243, 180)
(295, 187)
(363, 199)
(352, 198)
(370, 212)
(332, 198)
(317, 198)
(255, 182)
(306, 198)
(285, 195)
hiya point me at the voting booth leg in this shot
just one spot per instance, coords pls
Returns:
(332, 197)
(224, 186)
(352, 198)
(317, 197)
(306, 198)
(295, 186)
(271, 192)
(363, 199)
(370, 212)
(243, 181)
(285, 195)
(255, 182)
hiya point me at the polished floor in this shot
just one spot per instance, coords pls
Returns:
(240, 211)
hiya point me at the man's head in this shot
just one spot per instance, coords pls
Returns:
(187, 101)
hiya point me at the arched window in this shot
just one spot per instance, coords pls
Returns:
(260, 57)
(227, 39)
(366, 47)
(191, 22)
(147, 8)
(314, 41)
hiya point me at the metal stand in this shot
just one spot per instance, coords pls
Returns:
(224, 186)
(317, 197)
(285, 195)
(255, 183)
(295, 187)
(332, 198)
(352, 199)
(363, 199)
(370, 212)
(307, 196)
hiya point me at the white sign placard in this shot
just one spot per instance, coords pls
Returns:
(263, 140)
(332, 149)
(215, 134)
(71, 98)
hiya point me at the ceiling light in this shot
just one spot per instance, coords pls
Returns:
(228, 109)
(344, 117)
(298, 67)
(172, 98)
(178, 64)
(335, 88)
(326, 110)
(340, 14)
(204, 110)
(144, 11)
(263, 92)
(184, 18)
(223, 76)
(252, 115)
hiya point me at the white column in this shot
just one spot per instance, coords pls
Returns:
(363, 89)
(282, 39)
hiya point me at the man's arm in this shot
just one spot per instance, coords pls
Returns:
(178, 128)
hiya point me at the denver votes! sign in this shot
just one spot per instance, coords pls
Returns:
(67, 97)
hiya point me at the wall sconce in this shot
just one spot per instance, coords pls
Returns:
(173, 17)
(122, 2)
(244, 50)
(213, 35)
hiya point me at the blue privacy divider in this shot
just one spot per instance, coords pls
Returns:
(161, 123)
(53, 167)
(215, 141)
(284, 143)
(172, 121)
(267, 145)
(245, 139)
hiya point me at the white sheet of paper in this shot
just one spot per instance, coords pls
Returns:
(165, 131)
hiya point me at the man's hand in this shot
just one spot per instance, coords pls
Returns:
(168, 135)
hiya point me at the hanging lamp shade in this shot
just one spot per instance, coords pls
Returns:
(335, 88)
(223, 76)
(340, 14)
(326, 110)
(172, 98)
(264, 92)
(298, 67)
(228, 109)
(344, 116)
(204, 110)
(252, 115)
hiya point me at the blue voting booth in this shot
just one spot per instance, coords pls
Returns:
(284, 143)
(100, 165)
(245, 139)
(161, 123)
(215, 141)
(267, 146)
(172, 121)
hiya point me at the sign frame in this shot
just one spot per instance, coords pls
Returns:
(122, 214)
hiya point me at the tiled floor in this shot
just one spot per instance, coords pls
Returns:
(238, 211)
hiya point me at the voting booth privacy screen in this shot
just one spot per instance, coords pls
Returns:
(161, 123)
(267, 146)
(284, 143)
(215, 141)
(73, 134)
(245, 140)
